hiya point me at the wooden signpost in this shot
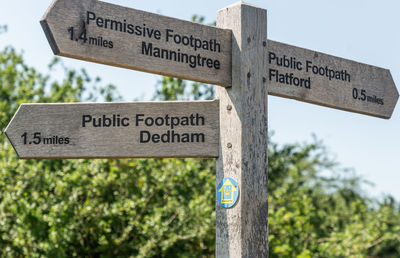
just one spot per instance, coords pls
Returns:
(100, 32)
(109, 34)
(232, 128)
(242, 231)
(116, 130)
(330, 81)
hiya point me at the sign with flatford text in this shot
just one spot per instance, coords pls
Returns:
(100, 32)
(330, 81)
(116, 130)
(109, 34)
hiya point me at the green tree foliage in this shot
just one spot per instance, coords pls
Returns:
(166, 207)
(319, 216)
(96, 208)
(170, 88)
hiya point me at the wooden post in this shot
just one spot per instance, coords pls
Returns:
(242, 231)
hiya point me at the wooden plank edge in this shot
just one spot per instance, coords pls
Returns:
(222, 83)
(120, 102)
(213, 155)
(50, 37)
(47, 31)
(8, 137)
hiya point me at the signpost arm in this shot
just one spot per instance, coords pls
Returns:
(242, 231)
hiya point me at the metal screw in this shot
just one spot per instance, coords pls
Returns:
(229, 107)
(229, 145)
(264, 43)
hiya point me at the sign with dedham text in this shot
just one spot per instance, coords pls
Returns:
(116, 130)
(100, 32)
(326, 80)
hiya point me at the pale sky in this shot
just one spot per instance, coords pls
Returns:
(361, 30)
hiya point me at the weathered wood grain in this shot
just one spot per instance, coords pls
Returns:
(362, 89)
(357, 87)
(242, 231)
(115, 36)
(109, 138)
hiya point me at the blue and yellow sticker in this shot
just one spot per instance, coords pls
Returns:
(227, 192)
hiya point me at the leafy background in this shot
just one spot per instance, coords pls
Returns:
(166, 207)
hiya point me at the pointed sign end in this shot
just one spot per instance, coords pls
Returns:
(47, 30)
(393, 92)
(50, 37)
(10, 140)
(10, 131)
(12, 144)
